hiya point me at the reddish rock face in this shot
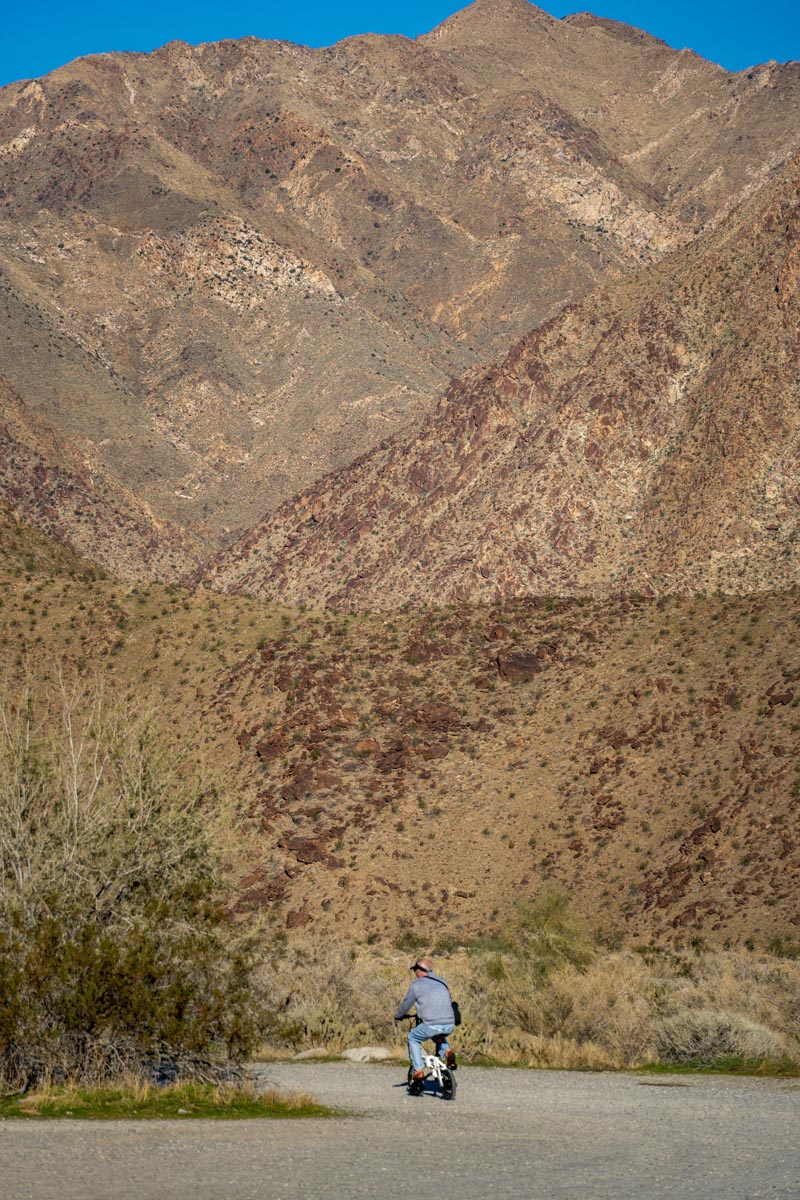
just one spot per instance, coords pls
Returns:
(268, 749)
(519, 666)
(308, 850)
(367, 746)
(296, 918)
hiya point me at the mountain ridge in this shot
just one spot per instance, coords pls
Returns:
(233, 268)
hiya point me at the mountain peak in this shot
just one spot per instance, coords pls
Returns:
(484, 15)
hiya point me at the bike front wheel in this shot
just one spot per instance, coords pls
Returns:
(415, 1086)
(448, 1085)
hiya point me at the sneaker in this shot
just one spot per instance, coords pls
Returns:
(450, 1060)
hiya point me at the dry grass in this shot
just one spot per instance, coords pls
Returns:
(136, 1097)
(611, 1013)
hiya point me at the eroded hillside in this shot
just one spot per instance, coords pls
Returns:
(226, 270)
(646, 438)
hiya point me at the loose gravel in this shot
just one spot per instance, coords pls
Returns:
(531, 1135)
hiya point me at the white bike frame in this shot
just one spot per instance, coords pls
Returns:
(433, 1064)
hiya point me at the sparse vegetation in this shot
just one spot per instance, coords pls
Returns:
(338, 833)
(139, 1100)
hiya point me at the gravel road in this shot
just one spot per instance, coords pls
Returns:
(531, 1135)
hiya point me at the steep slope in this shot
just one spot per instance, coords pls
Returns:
(648, 439)
(235, 267)
(69, 496)
(665, 116)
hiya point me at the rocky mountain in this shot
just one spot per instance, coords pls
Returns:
(645, 440)
(226, 270)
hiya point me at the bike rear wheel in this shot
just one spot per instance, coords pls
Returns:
(448, 1084)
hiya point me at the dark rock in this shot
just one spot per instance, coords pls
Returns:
(308, 850)
(519, 665)
(272, 747)
(297, 918)
(687, 917)
(420, 652)
(435, 750)
(437, 716)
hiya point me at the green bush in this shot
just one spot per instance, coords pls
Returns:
(116, 950)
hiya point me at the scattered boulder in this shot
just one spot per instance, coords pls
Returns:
(519, 665)
(434, 750)
(297, 918)
(362, 1054)
(437, 715)
(270, 748)
(308, 850)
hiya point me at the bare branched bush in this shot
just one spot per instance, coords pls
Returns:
(115, 946)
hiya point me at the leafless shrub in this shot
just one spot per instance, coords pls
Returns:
(709, 1034)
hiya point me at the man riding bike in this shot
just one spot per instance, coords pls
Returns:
(431, 996)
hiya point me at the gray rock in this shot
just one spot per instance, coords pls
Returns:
(362, 1054)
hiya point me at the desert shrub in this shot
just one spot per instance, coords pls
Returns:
(329, 995)
(601, 1014)
(116, 949)
(547, 932)
(609, 1005)
(761, 986)
(705, 1035)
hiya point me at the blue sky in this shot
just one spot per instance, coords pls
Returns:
(39, 37)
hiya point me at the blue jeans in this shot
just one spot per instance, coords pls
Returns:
(420, 1034)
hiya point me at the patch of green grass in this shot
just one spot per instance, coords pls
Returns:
(733, 1064)
(142, 1101)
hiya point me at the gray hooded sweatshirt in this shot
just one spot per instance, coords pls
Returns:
(431, 996)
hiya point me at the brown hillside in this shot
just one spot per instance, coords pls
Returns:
(415, 774)
(646, 439)
(227, 270)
